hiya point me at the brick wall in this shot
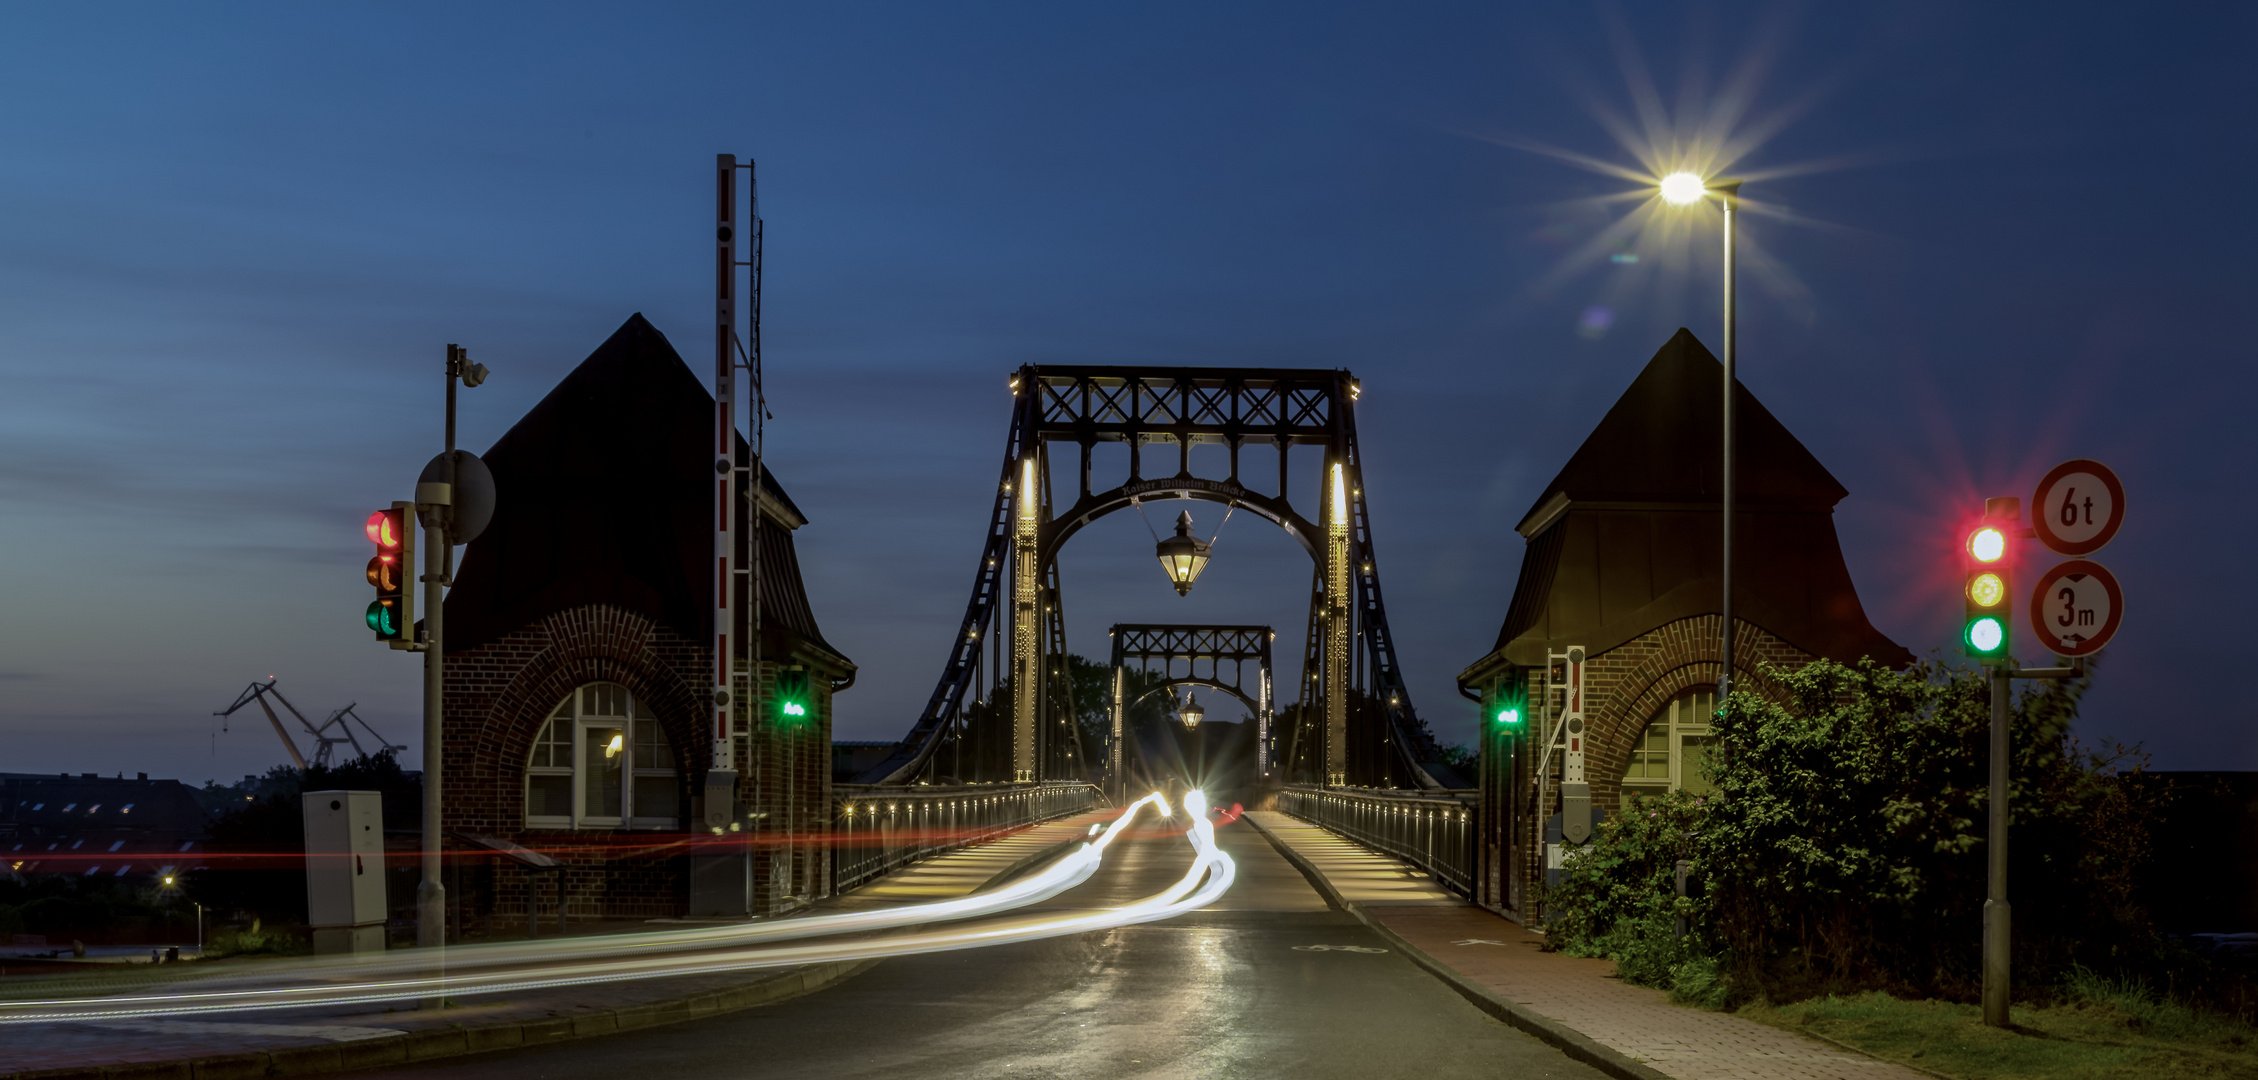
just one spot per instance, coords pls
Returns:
(499, 694)
(1624, 688)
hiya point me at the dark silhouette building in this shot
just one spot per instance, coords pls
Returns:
(578, 671)
(1621, 558)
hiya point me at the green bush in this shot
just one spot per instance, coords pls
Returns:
(1843, 847)
(254, 940)
(1618, 896)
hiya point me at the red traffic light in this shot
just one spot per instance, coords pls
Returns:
(1987, 544)
(385, 529)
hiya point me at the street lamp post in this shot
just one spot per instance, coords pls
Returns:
(1685, 189)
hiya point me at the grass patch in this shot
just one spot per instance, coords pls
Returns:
(2105, 1031)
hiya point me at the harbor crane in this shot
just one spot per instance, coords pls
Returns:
(324, 738)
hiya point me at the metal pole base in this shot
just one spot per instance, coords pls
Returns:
(1996, 938)
(431, 932)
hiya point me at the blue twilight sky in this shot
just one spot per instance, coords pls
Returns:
(234, 238)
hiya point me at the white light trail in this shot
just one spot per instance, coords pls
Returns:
(602, 960)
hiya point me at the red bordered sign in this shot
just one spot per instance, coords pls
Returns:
(2078, 507)
(2076, 607)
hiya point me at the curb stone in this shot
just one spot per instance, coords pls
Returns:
(1567, 1040)
(459, 1041)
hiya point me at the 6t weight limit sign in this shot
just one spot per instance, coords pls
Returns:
(2078, 507)
(2076, 607)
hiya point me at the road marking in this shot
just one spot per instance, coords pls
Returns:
(1476, 941)
(1337, 948)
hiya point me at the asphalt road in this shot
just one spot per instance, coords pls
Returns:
(1262, 984)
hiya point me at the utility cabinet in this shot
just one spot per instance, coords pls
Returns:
(345, 900)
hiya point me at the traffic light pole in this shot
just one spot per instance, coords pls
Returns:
(1997, 937)
(435, 509)
(431, 894)
(1996, 920)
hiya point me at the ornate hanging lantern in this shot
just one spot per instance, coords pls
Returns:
(1190, 712)
(1183, 555)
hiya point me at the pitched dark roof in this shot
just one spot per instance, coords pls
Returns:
(603, 494)
(1626, 538)
(1659, 444)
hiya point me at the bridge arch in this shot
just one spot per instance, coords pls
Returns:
(1016, 596)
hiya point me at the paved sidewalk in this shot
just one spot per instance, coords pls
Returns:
(1580, 1001)
(304, 1041)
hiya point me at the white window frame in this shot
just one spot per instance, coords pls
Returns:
(589, 707)
(1680, 721)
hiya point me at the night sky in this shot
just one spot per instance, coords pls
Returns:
(234, 241)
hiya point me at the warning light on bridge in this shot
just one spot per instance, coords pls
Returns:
(1983, 633)
(391, 573)
(1183, 555)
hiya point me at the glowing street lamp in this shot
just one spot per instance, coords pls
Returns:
(1191, 713)
(1683, 189)
(1183, 555)
(1687, 189)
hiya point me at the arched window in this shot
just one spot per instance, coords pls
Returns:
(1669, 753)
(601, 761)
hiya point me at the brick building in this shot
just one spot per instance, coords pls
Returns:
(1622, 557)
(578, 667)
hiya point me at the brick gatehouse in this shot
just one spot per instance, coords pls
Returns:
(577, 664)
(1622, 556)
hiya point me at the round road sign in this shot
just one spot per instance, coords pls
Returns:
(2078, 507)
(2076, 607)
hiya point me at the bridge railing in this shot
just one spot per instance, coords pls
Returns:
(877, 830)
(1433, 831)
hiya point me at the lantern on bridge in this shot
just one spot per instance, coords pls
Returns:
(1191, 713)
(1183, 555)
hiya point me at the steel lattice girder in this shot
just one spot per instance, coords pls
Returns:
(1211, 405)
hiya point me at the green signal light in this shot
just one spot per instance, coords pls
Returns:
(1509, 716)
(794, 708)
(381, 618)
(1986, 634)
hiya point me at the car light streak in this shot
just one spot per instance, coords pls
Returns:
(1210, 875)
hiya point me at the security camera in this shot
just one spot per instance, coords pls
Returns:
(474, 375)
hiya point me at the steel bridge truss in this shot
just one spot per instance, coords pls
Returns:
(1191, 647)
(1141, 406)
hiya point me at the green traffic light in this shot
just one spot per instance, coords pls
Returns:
(380, 619)
(1986, 635)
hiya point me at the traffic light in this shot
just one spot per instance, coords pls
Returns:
(1984, 634)
(391, 571)
(794, 705)
(1509, 707)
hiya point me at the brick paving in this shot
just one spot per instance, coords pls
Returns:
(573, 1010)
(1581, 994)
